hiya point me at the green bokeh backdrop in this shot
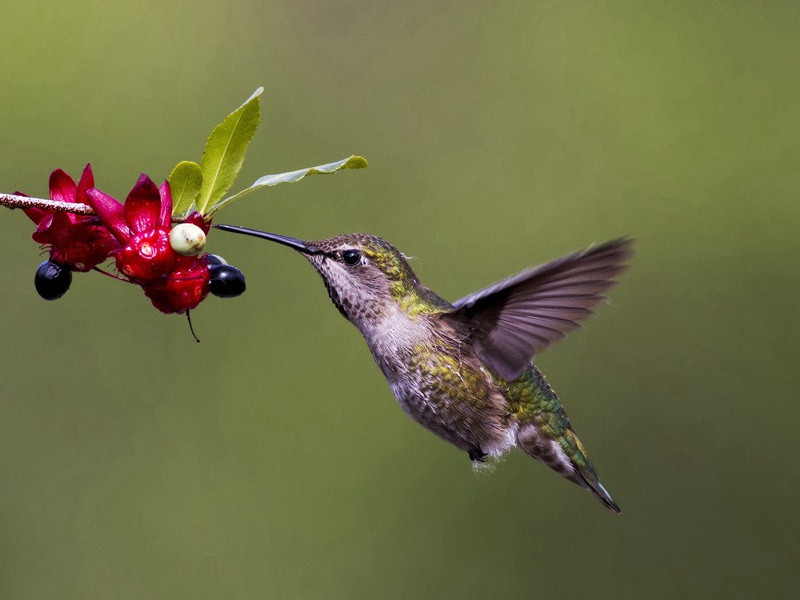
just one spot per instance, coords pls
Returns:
(271, 461)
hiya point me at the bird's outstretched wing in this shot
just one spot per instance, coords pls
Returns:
(524, 314)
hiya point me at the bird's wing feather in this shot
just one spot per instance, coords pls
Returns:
(524, 314)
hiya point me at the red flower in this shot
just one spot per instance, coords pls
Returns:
(142, 226)
(79, 242)
(174, 283)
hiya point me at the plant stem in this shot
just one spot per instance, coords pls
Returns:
(13, 201)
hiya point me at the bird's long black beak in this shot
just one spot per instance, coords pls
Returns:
(298, 245)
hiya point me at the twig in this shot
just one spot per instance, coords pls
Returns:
(13, 201)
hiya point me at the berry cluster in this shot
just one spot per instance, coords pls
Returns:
(139, 236)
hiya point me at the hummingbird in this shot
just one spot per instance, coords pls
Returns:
(465, 370)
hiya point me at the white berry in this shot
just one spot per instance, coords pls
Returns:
(187, 239)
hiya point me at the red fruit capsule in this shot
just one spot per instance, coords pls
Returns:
(182, 289)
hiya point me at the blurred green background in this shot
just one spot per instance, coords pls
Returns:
(271, 460)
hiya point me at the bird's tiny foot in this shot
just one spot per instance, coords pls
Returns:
(476, 455)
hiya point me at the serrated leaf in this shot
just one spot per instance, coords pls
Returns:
(185, 182)
(225, 150)
(353, 162)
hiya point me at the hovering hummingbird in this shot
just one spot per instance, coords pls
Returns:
(465, 370)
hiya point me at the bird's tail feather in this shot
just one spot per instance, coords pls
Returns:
(594, 486)
(566, 456)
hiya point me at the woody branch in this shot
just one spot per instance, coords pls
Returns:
(14, 201)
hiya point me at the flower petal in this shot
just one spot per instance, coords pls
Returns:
(44, 233)
(62, 186)
(143, 206)
(111, 213)
(165, 217)
(35, 213)
(86, 182)
(61, 230)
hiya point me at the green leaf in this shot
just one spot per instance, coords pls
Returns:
(185, 182)
(225, 150)
(353, 162)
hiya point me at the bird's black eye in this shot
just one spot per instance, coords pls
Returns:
(351, 257)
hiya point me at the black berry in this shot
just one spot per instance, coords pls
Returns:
(52, 280)
(214, 260)
(226, 281)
